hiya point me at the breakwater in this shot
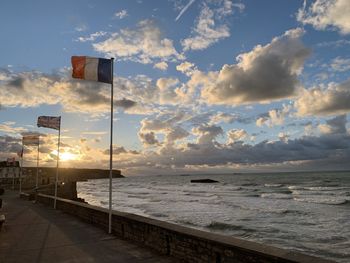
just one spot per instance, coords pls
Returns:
(186, 244)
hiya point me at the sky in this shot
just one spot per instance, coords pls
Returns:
(211, 86)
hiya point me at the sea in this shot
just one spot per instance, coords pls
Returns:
(304, 212)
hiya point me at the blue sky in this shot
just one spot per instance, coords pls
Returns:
(200, 86)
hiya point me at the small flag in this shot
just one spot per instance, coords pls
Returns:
(20, 153)
(89, 68)
(49, 122)
(30, 140)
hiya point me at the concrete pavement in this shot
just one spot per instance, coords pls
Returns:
(36, 233)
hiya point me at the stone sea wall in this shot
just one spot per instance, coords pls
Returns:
(185, 244)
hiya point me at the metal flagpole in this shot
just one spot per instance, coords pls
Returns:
(58, 158)
(21, 171)
(37, 168)
(111, 157)
(13, 175)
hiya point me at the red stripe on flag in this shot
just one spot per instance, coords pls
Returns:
(78, 64)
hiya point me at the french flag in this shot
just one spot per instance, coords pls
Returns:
(89, 68)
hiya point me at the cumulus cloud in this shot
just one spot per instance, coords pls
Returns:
(264, 74)
(206, 134)
(161, 65)
(148, 138)
(186, 67)
(121, 14)
(333, 100)
(169, 93)
(175, 133)
(283, 136)
(236, 135)
(326, 14)
(307, 151)
(334, 125)
(142, 44)
(32, 89)
(274, 117)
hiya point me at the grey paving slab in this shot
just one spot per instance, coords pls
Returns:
(36, 233)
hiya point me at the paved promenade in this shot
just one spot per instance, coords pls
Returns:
(36, 233)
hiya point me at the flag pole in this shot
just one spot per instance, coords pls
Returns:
(13, 175)
(21, 171)
(37, 168)
(58, 157)
(111, 157)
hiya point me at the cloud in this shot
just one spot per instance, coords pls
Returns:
(340, 64)
(94, 132)
(117, 150)
(283, 136)
(334, 126)
(143, 44)
(175, 133)
(32, 89)
(335, 43)
(206, 134)
(92, 37)
(211, 25)
(8, 127)
(186, 67)
(333, 100)
(125, 103)
(224, 117)
(274, 117)
(169, 91)
(205, 33)
(236, 135)
(81, 27)
(121, 14)
(264, 74)
(161, 65)
(325, 14)
(148, 138)
(206, 152)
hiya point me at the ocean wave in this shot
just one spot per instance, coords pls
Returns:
(249, 184)
(276, 196)
(214, 225)
(273, 185)
(325, 188)
(324, 201)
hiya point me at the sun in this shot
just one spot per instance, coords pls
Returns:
(67, 156)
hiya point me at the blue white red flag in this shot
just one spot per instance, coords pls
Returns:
(89, 68)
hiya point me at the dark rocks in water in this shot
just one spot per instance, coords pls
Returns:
(203, 181)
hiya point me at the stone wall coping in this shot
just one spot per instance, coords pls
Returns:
(226, 241)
